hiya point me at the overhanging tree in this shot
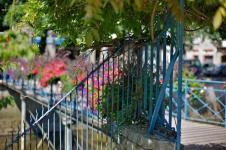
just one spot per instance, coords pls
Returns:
(90, 22)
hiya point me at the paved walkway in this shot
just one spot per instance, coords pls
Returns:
(198, 136)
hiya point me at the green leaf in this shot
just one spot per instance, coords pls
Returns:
(138, 4)
(96, 35)
(89, 39)
(217, 19)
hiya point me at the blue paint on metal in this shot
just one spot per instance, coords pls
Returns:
(225, 112)
(171, 78)
(42, 128)
(54, 127)
(30, 129)
(151, 83)
(36, 130)
(60, 118)
(161, 94)
(145, 76)
(87, 117)
(66, 124)
(186, 101)
(48, 124)
(157, 62)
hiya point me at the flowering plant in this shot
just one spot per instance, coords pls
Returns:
(17, 68)
(95, 86)
(54, 69)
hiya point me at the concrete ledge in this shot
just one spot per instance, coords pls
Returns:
(134, 137)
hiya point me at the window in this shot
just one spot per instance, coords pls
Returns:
(208, 59)
(196, 57)
(223, 59)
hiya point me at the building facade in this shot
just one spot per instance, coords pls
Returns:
(207, 51)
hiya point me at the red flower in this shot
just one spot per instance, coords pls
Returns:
(54, 68)
(35, 71)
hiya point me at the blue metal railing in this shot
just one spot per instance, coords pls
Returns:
(205, 103)
(124, 89)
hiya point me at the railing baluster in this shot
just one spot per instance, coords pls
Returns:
(30, 130)
(118, 92)
(54, 127)
(18, 138)
(108, 99)
(128, 80)
(12, 140)
(158, 64)
(171, 77)
(35, 86)
(36, 130)
(102, 118)
(66, 126)
(77, 115)
(134, 88)
(123, 84)
(92, 110)
(180, 59)
(25, 136)
(6, 144)
(98, 103)
(60, 131)
(151, 82)
(225, 111)
(48, 122)
(163, 72)
(186, 100)
(112, 100)
(87, 106)
(43, 132)
(140, 80)
(82, 122)
(71, 111)
(145, 76)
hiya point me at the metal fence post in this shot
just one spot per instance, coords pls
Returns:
(225, 112)
(186, 100)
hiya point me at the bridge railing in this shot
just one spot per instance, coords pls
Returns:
(127, 89)
(205, 101)
(31, 86)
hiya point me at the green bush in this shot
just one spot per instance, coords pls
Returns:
(9, 100)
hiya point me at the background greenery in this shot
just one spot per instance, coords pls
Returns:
(92, 22)
(16, 44)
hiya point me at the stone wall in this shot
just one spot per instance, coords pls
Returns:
(136, 138)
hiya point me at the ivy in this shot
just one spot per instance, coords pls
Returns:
(6, 101)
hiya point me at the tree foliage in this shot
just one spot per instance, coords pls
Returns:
(91, 21)
(4, 4)
(15, 44)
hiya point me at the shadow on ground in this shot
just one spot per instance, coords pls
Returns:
(205, 147)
